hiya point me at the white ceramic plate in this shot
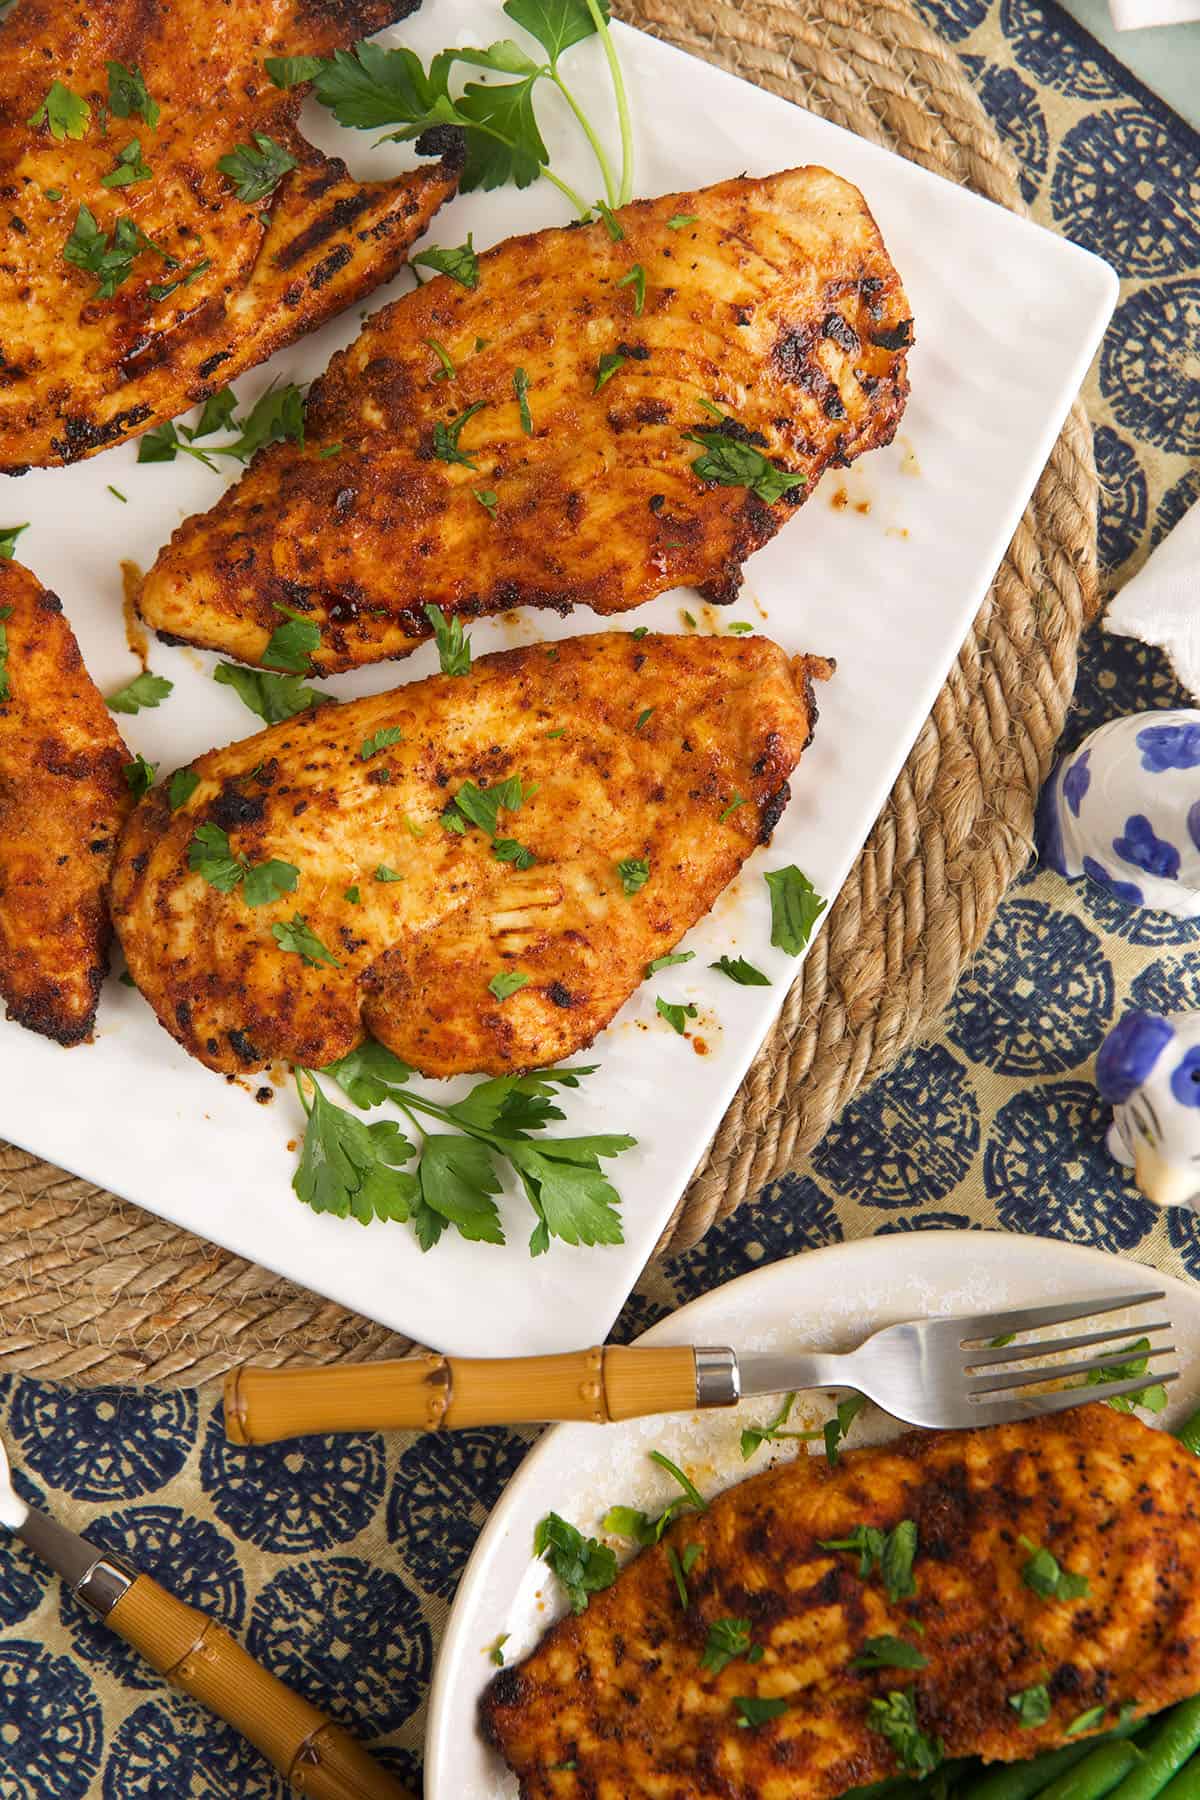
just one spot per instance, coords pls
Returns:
(1007, 319)
(826, 1300)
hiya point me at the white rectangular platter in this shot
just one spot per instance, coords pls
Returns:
(1007, 320)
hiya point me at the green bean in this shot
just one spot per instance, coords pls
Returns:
(1041, 1775)
(1104, 1768)
(882, 1790)
(1189, 1434)
(1166, 1750)
(1185, 1785)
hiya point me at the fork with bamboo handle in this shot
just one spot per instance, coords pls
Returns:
(932, 1372)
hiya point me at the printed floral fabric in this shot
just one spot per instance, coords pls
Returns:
(335, 1559)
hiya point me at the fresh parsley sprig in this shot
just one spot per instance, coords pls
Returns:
(456, 1180)
(1047, 1577)
(730, 462)
(1137, 1361)
(256, 169)
(211, 856)
(894, 1717)
(8, 540)
(584, 1566)
(276, 417)
(272, 697)
(453, 644)
(144, 690)
(109, 256)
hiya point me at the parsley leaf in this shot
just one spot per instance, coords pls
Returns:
(636, 279)
(162, 290)
(506, 982)
(162, 444)
(865, 1540)
(211, 856)
(352, 1169)
(556, 24)
(728, 1639)
(218, 414)
(483, 806)
(521, 390)
(353, 896)
(127, 95)
(144, 690)
(1137, 1354)
(689, 1487)
(8, 540)
(508, 850)
(384, 874)
(496, 1653)
(607, 367)
(677, 221)
(379, 740)
(67, 114)
(795, 908)
(894, 1716)
(669, 961)
(889, 1653)
(1031, 1705)
(290, 71)
(461, 264)
(741, 971)
(835, 1429)
(676, 1016)
(730, 463)
(610, 221)
(139, 775)
(892, 1552)
(634, 872)
(276, 417)
(447, 372)
(256, 169)
(754, 1436)
(183, 785)
(488, 499)
(291, 644)
(737, 800)
(1087, 1721)
(110, 257)
(446, 436)
(738, 628)
(369, 1075)
(1046, 1576)
(753, 1712)
(583, 1565)
(130, 167)
(453, 645)
(644, 717)
(296, 937)
(272, 697)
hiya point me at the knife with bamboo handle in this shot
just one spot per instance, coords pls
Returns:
(194, 1653)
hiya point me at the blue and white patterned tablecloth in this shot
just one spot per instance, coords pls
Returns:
(335, 1560)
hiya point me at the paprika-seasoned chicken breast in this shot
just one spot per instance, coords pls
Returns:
(617, 1705)
(563, 812)
(529, 441)
(135, 276)
(63, 800)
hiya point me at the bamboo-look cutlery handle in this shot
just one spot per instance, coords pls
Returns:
(432, 1393)
(196, 1654)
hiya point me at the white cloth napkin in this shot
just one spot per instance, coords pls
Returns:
(1133, 15)
(1161, 604)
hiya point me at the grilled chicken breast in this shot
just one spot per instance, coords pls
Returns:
(615, 1704)
(416, 918)
(224, 281)
(580, 365)
(63, 800)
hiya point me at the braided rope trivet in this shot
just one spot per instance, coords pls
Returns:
(95, 1290)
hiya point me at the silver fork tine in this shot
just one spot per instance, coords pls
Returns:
(1029, 1377)
(1031, 1317)
(1045, 1346)
(1031, 1406)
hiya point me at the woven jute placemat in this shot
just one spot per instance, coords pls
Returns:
(94, 1290)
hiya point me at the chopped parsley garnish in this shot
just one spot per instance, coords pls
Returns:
(127, 95)
(741, 971)
(795, 908)
(894, 1716)
(483, 806)
(643, 718)
(53, 194)
(163, 443)
(710, 407)
(447, 372)
(457, 1180)
(834, 1430)
(691, 1491)
(144, 690)
(636, 279)
(634, 872)
(446, 436)
(677, 221)
(889, 1653)
(728, 1639)
(383, 873)
(676, 1016)
(1031, 1705)
(639, 632)
(737, 800)
(8, 540)
(117, 494)
(892, 1552)
(461, 264)
(731, 463)
(256, 169)
(669, 961)
(453, 645)
(752, 1712)
(584, 1566)
(272, 697)
(379, 740)
(488, 499)
(276, 417)
(611, 223)
(290, 71)
(183, 785)
(108, 256)
(352, 894)
(521, 390)
(607, 367)
(129, 168)
(561, 732)
(1137, 1354)
(1046, 1576)
(139, 775)
(508, 850)
(211, 856)
(67, 114)
(738, 628)
(411, 826)
(1087, 1721)
(161, 290)
(296, 937)
(678, 1576)
(688, 619)
(754, 1436)
(291, 644)
(496, 1652)
(506, 982)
